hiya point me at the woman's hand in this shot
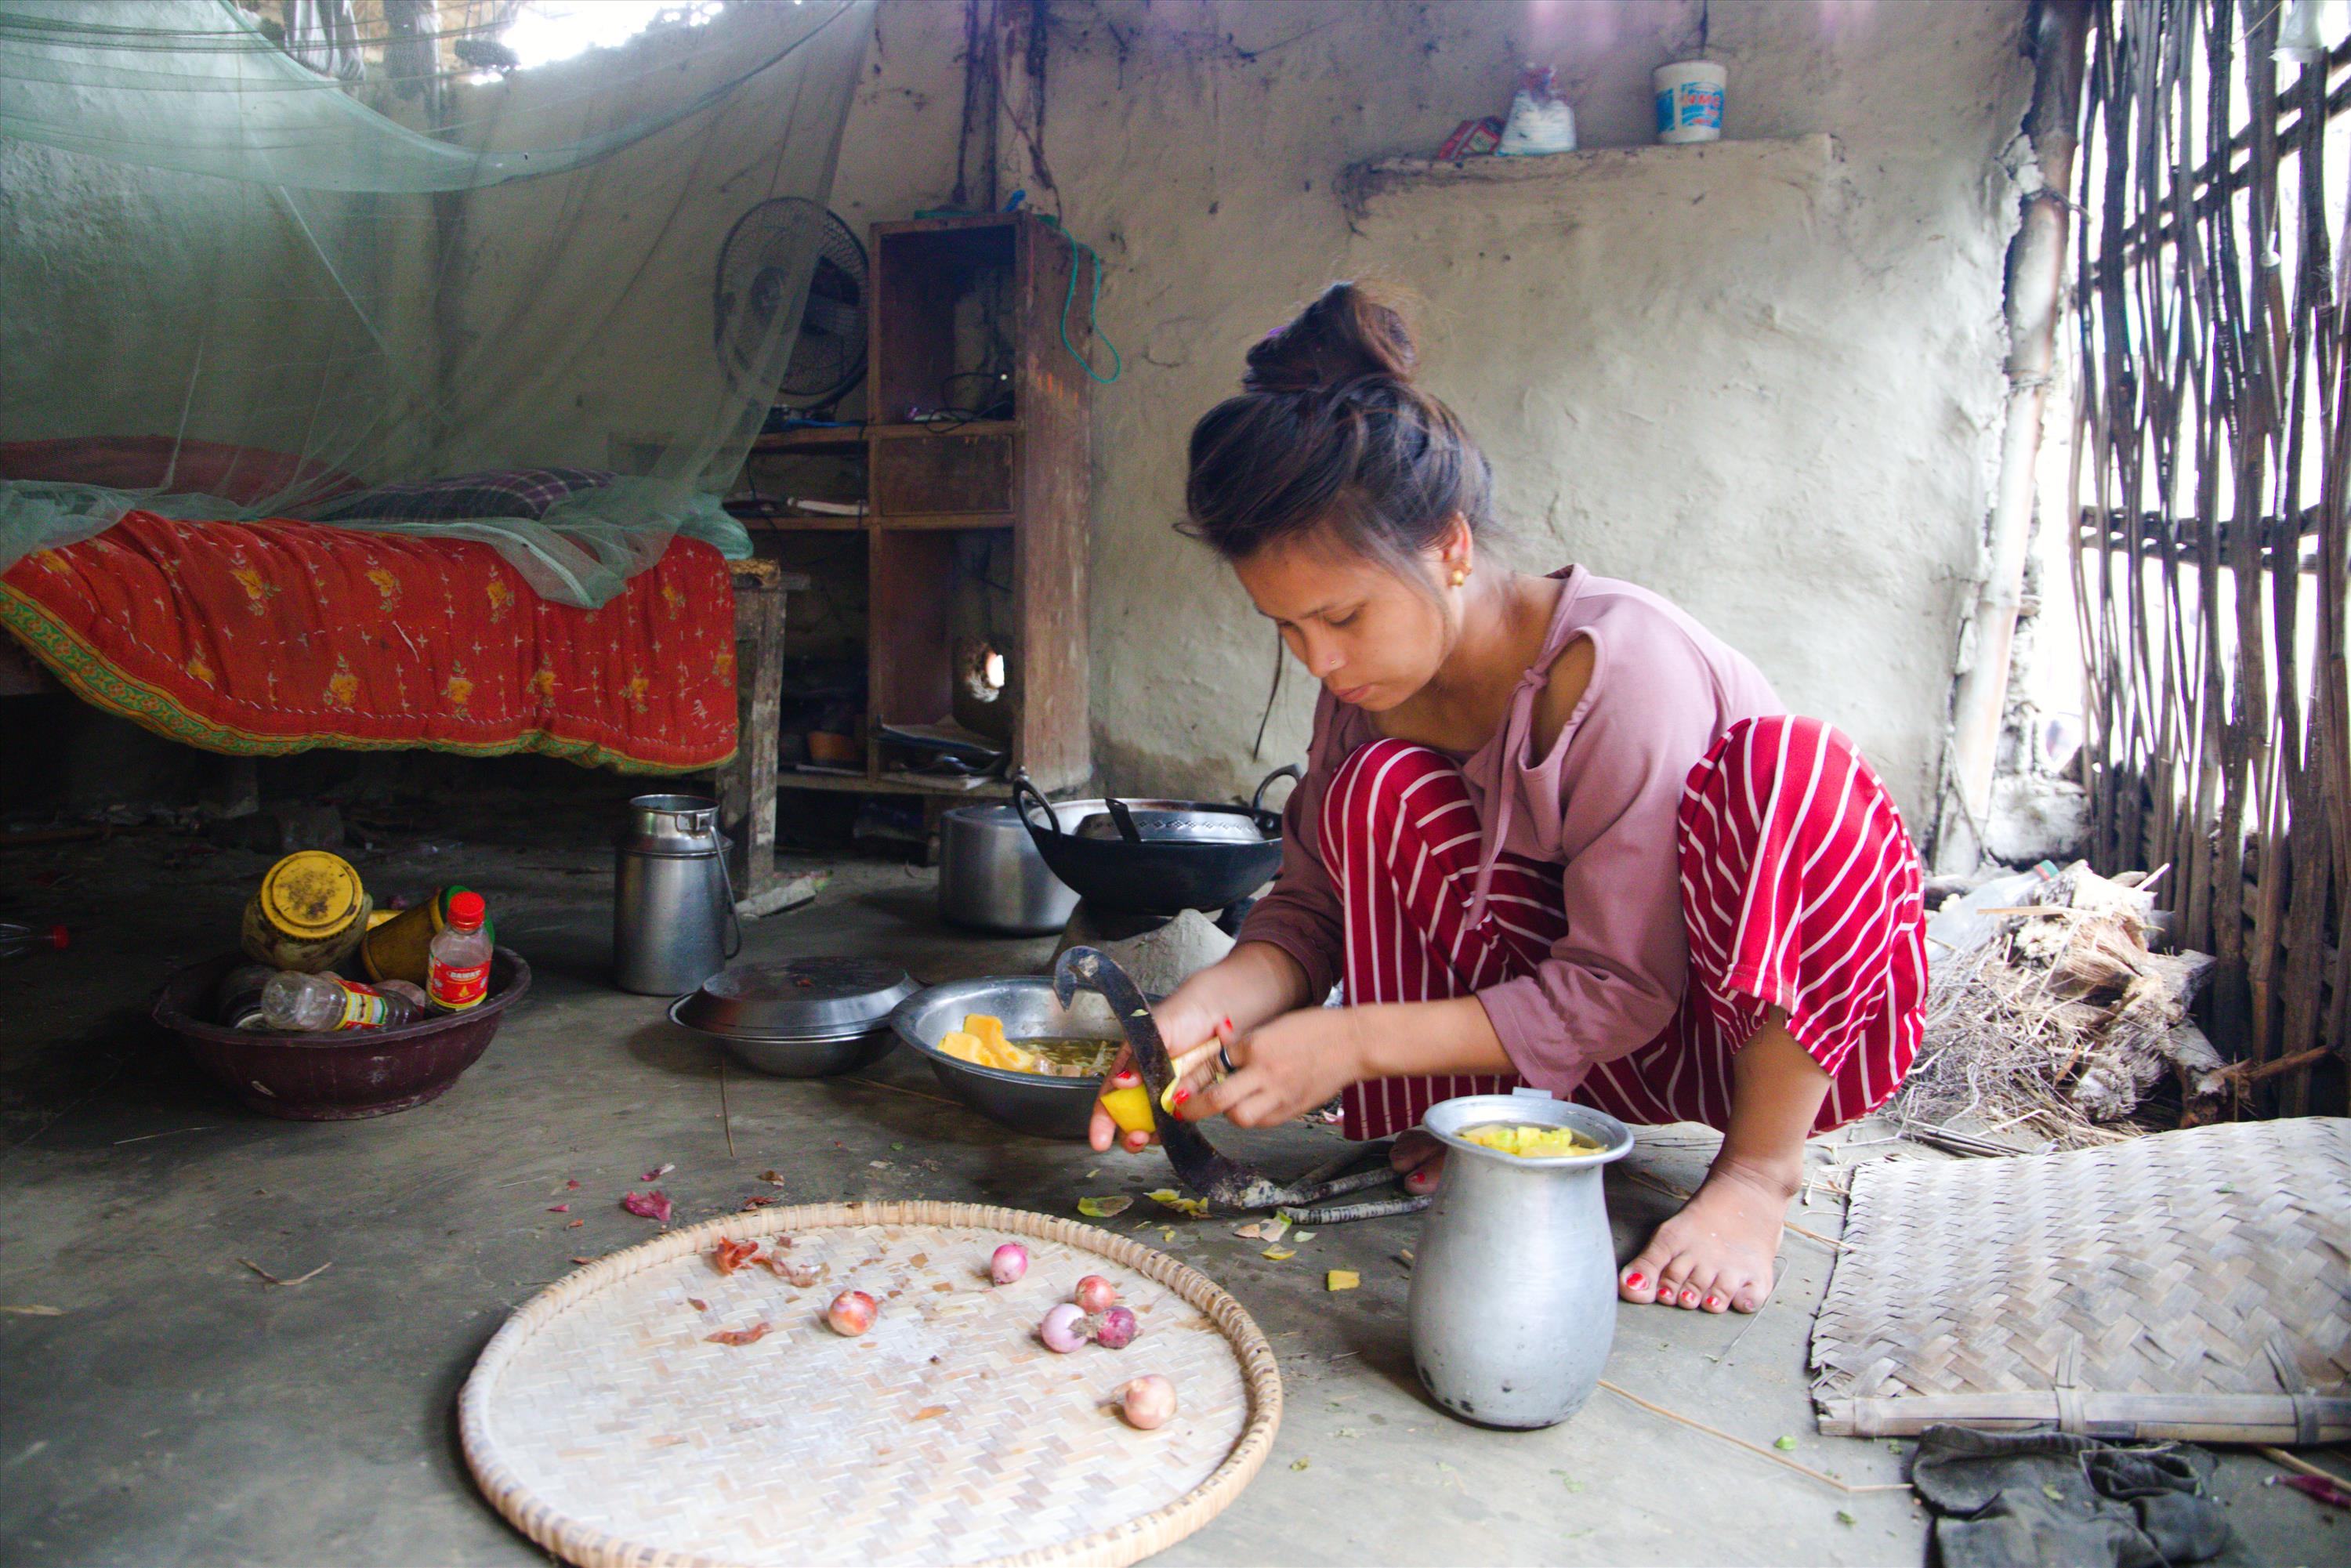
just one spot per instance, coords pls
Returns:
(1184, 1024)
(1284, 1068)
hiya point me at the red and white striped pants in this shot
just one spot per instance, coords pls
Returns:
(1799, 890)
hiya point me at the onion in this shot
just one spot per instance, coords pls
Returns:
(1008, 1263)
(1115, 1329)
(1063, 1330)
(1095, 1293)
(1147, 1402)
(851, 1313)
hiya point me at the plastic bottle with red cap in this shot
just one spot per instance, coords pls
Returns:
(15, 941)
(457, 969)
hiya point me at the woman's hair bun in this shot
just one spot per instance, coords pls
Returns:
(1347, 334)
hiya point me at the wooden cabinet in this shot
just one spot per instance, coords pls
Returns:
(977, 493)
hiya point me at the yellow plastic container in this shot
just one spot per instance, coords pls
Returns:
(309, 913)
(396, 946)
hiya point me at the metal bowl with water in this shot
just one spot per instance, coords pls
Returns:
(1025, 1102)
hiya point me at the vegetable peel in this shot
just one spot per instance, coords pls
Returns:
(1168, 1196)
(1104, 1208)
(654, 1205)
(1341, 1279)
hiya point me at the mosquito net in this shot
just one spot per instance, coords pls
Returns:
(404, 287)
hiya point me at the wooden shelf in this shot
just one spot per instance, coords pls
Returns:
(812, 441)
(910, 521)
(800, 523)
(944, 428)
(895, 782)
(932, 588)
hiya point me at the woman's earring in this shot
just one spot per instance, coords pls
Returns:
(1460, 575)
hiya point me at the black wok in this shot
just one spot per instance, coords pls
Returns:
(1148, 873)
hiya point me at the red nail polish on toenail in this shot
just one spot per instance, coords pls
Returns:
(1632, 1281)
(1689, 1297)
(1712, 1303)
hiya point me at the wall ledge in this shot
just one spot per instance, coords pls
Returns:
(1807, 159)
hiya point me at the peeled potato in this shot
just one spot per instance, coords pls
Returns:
(1131, 1109)
(1529, 1142)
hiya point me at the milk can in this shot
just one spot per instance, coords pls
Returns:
(1514, 1280)
(672, 903)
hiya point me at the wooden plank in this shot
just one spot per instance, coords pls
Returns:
(907, 611)
(852, 439)
(935, 521)
(2179, 1418)
(746, 786)
(1052, 736)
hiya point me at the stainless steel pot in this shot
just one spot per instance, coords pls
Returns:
(1513, 1302)
(672, 904)
(991, 877)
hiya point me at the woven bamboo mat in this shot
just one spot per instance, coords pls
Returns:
(2194, 1284)
(605, 1424)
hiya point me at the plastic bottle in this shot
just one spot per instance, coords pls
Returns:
(237, 1003)
(410, 992)
(296, 1003)
(15, 941)
(458, 964)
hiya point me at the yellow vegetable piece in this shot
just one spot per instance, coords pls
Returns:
(1198, 1208)
(989, 1028)
(1104, 1208)
(964, 1046)
(1131, 1109)
(1341, 1279)
(1279, 1253)
(1167, 1095)
(1528, 1142)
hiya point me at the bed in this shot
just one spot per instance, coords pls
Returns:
(261, 638)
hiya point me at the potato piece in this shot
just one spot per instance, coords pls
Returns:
(1131, 1109)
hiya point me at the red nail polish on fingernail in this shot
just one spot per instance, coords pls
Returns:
(1181, 1096)
(1632, 1281)
(1228, 1026)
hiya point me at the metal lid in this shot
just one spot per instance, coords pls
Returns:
(799, 1000)
(684, 826)
(310, 895)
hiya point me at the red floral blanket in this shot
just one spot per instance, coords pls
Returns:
(271, 637)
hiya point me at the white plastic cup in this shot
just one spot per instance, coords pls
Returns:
(1689, 101)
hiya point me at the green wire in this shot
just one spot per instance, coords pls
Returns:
(1093, 308)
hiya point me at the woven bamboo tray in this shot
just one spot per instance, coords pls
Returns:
(2191, 1285)
(608, 1428)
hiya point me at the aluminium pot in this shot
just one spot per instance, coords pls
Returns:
(991, 877)
(1513, 1304)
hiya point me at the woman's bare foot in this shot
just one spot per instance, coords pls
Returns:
(1419, 1159)
(1717, 1253)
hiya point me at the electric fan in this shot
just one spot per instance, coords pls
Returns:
(785, 254)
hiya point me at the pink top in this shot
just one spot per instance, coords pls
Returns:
(1601, 805)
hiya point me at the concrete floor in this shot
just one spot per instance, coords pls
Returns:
(178, 1409)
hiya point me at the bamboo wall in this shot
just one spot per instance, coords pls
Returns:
(2209, 478)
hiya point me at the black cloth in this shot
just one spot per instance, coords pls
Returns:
(2026, 1500)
